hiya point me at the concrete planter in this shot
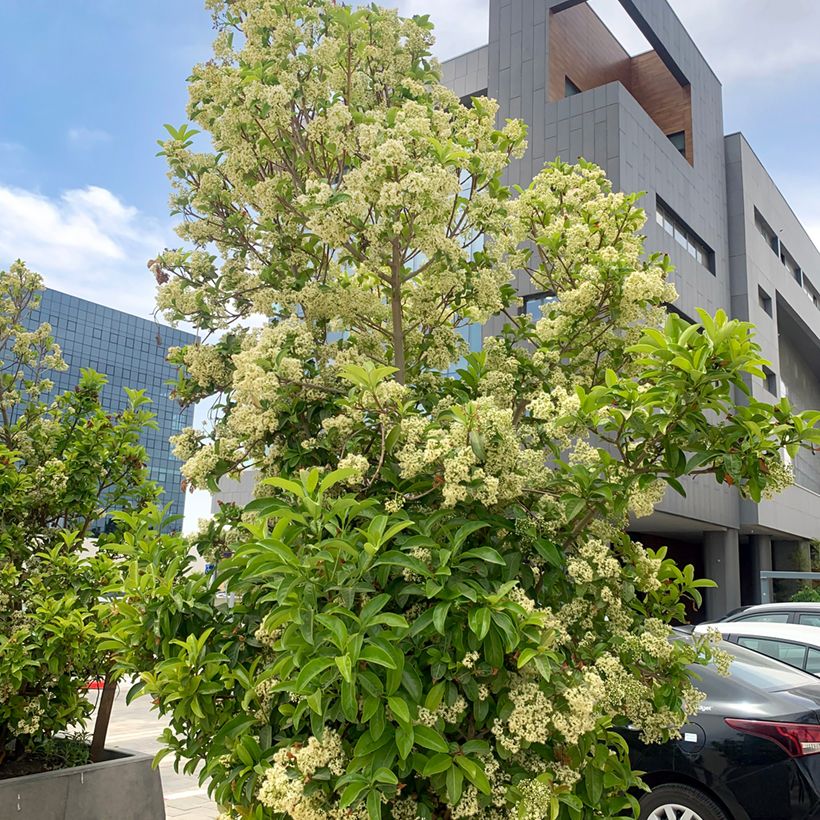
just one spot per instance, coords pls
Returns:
(123, 786)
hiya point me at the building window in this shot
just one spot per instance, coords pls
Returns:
(790, 265)
(770, 380)
(678, 139)
(684, 235)
(811, 292)
(765, 230)
(570, 89)
(534, 304)
(765, 300)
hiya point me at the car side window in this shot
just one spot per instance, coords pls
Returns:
(790, 653)
(809, 619)
(813, 662)
(767, 618)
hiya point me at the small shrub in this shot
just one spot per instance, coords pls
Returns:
(806, 594)
(65, 462)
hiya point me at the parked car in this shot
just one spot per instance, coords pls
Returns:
(794, 644)
(751, 753)
(807, 614)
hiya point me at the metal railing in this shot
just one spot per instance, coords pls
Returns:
(767, 576)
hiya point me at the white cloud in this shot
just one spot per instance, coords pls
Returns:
(86, 242)
(87, 137)
(753, 39)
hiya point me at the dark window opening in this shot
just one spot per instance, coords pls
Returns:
(535, 302)
(770, 380)
(678, 139)
(765, 300)
(766, 232)
(678, 230)
(570, 89)
(468, 100)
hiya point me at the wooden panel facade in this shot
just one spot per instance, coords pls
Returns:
(584, 51)
(662, 97)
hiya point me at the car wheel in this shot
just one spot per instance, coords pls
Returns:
(675, 801)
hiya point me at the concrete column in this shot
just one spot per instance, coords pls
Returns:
(760, 560)
(721, 555)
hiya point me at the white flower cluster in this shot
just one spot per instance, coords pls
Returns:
(477, 456)
(283, 785)
(446, 714)
(642, 502)
(593, 561)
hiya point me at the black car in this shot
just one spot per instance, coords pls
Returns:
(752, 752)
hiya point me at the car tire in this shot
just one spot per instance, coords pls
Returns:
(681, 802)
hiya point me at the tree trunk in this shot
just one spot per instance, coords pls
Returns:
(395, 305)
(103, 718)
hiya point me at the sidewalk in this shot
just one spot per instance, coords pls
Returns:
(136, 727)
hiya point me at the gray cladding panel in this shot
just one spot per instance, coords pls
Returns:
(467, 73)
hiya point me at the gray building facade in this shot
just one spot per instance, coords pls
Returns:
(654, 122)
(131, 352)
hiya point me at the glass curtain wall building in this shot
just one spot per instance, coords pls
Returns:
(130, 352)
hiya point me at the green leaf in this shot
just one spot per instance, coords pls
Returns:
(437, 764)
(475, 774)
(134, 692)
(479, 622)
(383, 775)
(404, 740)
(394, 558)
(466, 530)
(549, 551)
(292, 487)
(375, 654)
(434, 697)
(391, 619)
(454, 782)
(352, 792)
(594, 781)
(311, 669)
(477, 445)
(373, 607)
(399, 708)
(440, 616)
(350, 706)
(314, 700)
(486, 554)
(476, 747)
(430, 739)
(374, 805)
(335, 477)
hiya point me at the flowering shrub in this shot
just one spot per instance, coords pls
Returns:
(437, 612)
(64, 462)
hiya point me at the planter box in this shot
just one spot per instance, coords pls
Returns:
(123, 786)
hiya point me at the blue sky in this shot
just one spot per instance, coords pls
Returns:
(88, 84)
